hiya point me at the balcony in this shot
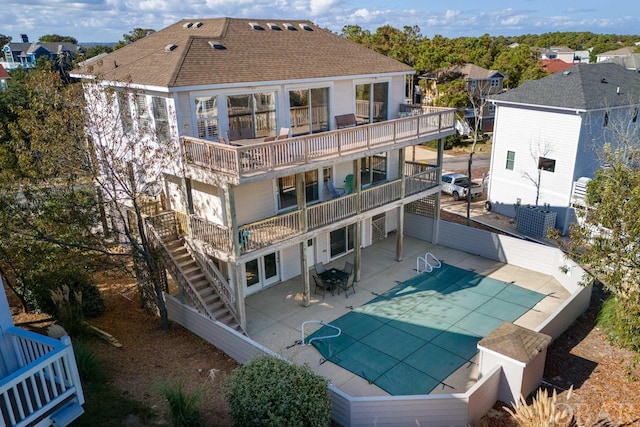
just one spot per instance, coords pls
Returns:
(417, 181)
(244, 163)
(43, 388)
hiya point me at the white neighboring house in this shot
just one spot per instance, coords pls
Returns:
(548, 134)
(266, 114)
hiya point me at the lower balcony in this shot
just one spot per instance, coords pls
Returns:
(43, 386)
(418, 180)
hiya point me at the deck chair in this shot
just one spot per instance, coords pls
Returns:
(319, 268)
(335, 192)
(325, 286)
(348, 283)
(348, 183)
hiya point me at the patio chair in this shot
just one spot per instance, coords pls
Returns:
(335, 192)
(322, 284)
(319, 268)
(348, 183)
(348, 283)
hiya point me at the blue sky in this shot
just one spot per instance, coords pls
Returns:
(108, 20)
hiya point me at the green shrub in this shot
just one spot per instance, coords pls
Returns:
(184, 407)
(77, 279)
(620, 320)
(272, 392)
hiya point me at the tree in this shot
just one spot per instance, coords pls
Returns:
(52, 198)
(4, 40)
(134, 35)
(97, 50)
(52, 38)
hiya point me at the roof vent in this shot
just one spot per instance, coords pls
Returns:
(273, 26)
(198, 24)
(305, 27)
(290, 27)
(170, 47)
(618, 90)
(256, 26)
(187, 25)
(566, 72)
(603, 80)
(217, 45)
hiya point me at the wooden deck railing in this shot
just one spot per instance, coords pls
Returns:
(248, 160)
(265, 232)
(48, 376)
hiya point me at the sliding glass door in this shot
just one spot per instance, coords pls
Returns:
(252, 115)
(309, 110)
(372, 102)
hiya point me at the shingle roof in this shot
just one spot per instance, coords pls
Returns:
(623, 51)
(554, 65)
(474, 72)
(247, 55)
(581, 87)
(516, 342)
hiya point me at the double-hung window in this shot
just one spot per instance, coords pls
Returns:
(207, 117)
(161, 118)
(511, 160)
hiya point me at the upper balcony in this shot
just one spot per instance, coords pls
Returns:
(251, 160)
(41, 385)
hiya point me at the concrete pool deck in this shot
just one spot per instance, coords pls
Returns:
(275, 315)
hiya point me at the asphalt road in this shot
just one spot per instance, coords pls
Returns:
(460, 163)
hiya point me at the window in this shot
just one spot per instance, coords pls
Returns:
(511, 160)
(161, 118)
(371, 102)
(253, 115)
(606, 119)
(287, 195)
(495, 83)
(125, 112)
(473, 84)
(207, 117)
(142, 110)
(373, 169)
(342, 240)
(546, 164)
(635, 116)
(309, 110)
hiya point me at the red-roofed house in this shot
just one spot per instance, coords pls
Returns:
(3, 77)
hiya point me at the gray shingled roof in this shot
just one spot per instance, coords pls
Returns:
(581, 87)
(248, 55)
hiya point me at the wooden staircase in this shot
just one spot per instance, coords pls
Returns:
(202, 288)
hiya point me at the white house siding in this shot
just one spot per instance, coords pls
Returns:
(343, 101)
(397, 95)
(185, 115)
(290, 262)
(175, 193)
(207, 202)
(530, 133)
(254, 202)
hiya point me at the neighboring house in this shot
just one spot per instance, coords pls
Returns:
(39, 381)
(4, 76)
(618, 53)
(25, 54)
(268, 115)
(630, 62)
(563, 53)
(480, 81)
(549, 133)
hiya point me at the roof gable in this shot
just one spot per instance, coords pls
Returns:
(244, 54)
(581, 87)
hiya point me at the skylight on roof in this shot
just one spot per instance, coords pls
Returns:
(289, 26)
(187, 25)
(216, 45)
(305, 27)
(255, 26)
(198, 24)
(170, 47)
(273, 26)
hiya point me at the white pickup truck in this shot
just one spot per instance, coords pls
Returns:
(458, 185)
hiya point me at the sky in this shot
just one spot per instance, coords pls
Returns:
(108, 20)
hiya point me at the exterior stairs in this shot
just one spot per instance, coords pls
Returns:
(196, 278)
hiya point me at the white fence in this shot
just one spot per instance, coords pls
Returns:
(447, 410)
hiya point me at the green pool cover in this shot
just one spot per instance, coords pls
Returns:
(409, 339)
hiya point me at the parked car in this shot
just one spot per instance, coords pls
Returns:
(459, 185)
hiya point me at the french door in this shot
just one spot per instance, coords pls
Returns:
(261, 272)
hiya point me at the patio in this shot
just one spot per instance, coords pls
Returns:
(275, 315)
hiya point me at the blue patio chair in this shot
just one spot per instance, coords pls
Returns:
(335, 192)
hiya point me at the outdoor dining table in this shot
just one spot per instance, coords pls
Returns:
(334, 275)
